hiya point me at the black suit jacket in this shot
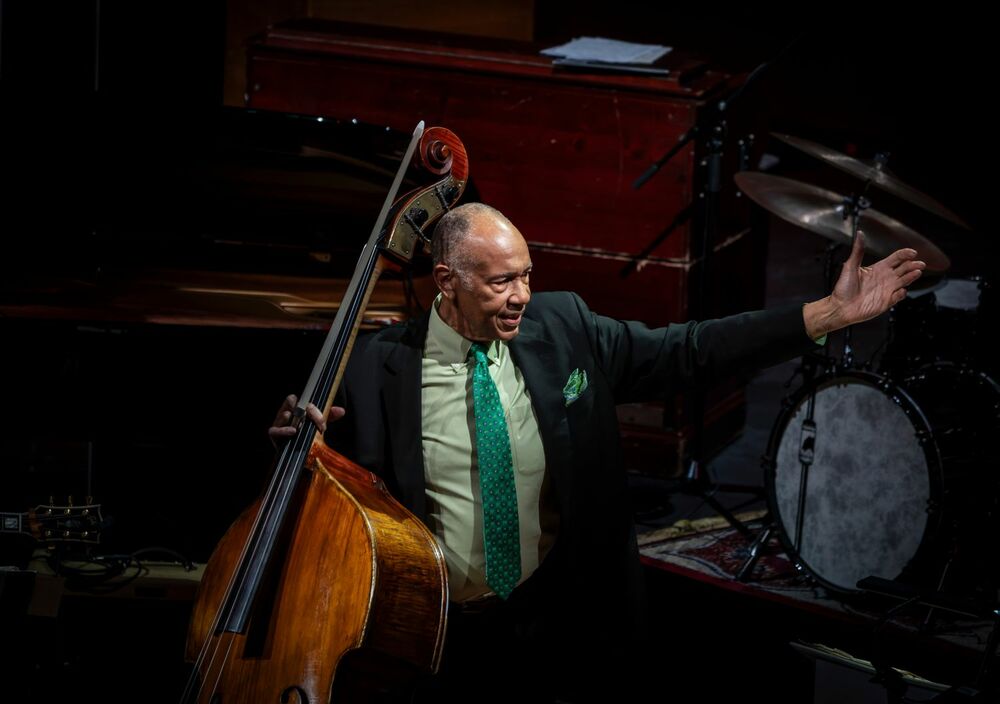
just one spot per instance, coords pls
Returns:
(595, 558)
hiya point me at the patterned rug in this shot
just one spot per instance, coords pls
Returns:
(711, 551)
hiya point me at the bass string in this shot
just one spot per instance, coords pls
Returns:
(283, 479)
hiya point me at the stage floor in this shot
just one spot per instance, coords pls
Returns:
(758, 626)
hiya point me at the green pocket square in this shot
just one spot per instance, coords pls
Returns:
(575, 385)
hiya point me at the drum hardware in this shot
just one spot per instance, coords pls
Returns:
(897, 486)
(902, 447)
(985, 679)
(807, 449)
(818, 366)
(850, 212)
(950, 320)
(838, 218)
(835, 217)
(875, 173)
(827, 214)
(853, 207)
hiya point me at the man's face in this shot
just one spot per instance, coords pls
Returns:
(489, 304)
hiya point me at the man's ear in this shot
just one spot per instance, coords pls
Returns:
(445, 279)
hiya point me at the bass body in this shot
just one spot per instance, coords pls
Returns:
(327, 589)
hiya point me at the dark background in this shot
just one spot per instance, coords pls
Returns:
(175, 417)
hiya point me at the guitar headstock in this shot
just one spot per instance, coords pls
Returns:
(51, 524)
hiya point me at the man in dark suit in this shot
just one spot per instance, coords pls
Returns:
(558, 371)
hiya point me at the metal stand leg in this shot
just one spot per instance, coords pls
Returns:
(755, 550)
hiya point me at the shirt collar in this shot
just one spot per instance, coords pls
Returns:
(446, 346)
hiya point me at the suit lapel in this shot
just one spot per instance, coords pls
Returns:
(401, 377)
(537, 358)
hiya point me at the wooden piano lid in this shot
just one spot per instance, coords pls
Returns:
(206, 298)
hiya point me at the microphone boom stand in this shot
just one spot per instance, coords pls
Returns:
(715, 131)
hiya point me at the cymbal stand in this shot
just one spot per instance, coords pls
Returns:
(807, 445)
(853, 207)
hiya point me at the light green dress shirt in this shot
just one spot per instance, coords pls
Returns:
(454, 506)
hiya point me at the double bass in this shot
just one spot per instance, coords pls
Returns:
(326, 588)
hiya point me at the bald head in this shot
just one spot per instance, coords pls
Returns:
(455, 227)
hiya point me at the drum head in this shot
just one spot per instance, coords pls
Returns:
(867, 488)
(958, 294)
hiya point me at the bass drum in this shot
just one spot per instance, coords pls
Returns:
(900, 482)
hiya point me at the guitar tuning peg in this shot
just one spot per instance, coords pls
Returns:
(70, 500)
(52, 500)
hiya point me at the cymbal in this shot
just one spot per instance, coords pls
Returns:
(875, 173)
(821, 211)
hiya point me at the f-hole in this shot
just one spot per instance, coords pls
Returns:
(302, 698)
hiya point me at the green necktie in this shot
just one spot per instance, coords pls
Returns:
(501, 536)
